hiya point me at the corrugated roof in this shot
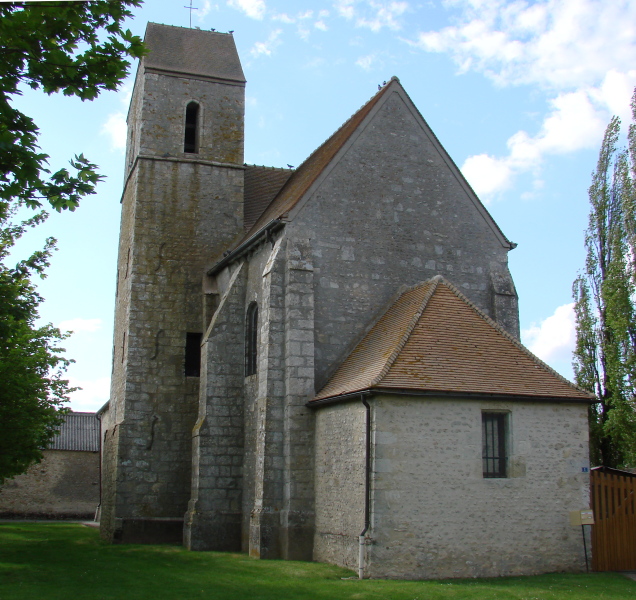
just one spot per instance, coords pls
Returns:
(433, 339)
(261, 186)
(305, 175)
(192, 52)
(80, 431)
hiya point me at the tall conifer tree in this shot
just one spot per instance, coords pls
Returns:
(605, 355)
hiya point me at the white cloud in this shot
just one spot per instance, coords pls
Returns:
(303, 32)
(576, 121)
(204, 10)
(559, 44)
(254, 9)
(554, 339)
(366, 62)
(582, 52)
(266, 48)
(345, 8)
(116, 129)
(92, 396)
(81, 325)
(320, 25)
(487, 175)
(383, 15)
(372, 14)
(284, 18)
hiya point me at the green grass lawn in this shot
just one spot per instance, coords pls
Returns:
(70, 562)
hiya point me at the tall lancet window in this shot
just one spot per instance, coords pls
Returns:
(251, 338)
(191, 138)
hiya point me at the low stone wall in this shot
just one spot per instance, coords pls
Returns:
(65, 485)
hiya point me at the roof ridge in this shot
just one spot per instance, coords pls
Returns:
(304, 169)
(266, 167)
(509, 336)
(433, 282)
(353, 114)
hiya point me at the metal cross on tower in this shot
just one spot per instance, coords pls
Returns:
(191, 8)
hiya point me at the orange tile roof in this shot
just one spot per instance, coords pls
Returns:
(305, 175)
(433, 339)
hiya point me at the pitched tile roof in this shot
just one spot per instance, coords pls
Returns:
(79, 431)
(305, 175)
(433, 339)
(261, 186)
(192, 51)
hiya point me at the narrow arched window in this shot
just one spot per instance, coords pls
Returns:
(191, 138)
(251, 338)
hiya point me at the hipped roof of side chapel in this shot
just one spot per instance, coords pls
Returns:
(432, 339)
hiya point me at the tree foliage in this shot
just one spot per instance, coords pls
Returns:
(31, 365)
(56, 47)
(78, 49)
(604, 294)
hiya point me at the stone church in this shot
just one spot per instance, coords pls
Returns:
(324, 363)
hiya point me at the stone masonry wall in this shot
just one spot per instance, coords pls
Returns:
(339, 482)
(265, 536)
(435, 516)
(179, 211)
(64, 485)
(213, 520)
(393, 212)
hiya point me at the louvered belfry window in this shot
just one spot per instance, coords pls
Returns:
(493, 438)
(191, 139)
(251, 339)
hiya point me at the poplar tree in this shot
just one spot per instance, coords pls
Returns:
(605, 354)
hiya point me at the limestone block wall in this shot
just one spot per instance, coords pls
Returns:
(213, 520)
(264, 537)
(162, 117)
(393, 211)
(435, 516)
(278, 499)
(178, 213)
(297, 516)
(65, 485)
(339, 482)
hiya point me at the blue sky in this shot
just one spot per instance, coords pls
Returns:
(519, 94)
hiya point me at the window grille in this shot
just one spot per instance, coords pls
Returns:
(193, 354)
(191, 141)
(494, 444)
(251, 339)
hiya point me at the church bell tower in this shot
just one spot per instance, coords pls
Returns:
(182, 205)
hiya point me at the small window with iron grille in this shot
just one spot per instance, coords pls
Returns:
(251, 338)
(494, 432)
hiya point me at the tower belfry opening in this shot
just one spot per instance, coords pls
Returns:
(191, 138)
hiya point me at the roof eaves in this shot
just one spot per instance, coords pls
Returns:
(271, 228)
(442, 394)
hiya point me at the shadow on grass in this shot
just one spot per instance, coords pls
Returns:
(56, 560)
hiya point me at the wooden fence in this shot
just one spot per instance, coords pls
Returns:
(613, 498)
